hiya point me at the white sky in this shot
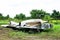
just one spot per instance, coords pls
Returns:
(13, 7)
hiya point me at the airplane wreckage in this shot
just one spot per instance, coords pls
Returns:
(31, 24)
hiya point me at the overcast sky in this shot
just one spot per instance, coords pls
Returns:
(13, 7)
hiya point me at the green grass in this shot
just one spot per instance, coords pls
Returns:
(4, 22)
(54, 32)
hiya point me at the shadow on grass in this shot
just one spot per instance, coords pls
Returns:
(30, 31)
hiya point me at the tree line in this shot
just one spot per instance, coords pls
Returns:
(36, 14)
(3, 17)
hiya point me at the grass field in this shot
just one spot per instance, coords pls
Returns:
(10, 34)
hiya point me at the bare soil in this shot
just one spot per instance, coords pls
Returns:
(4, 35)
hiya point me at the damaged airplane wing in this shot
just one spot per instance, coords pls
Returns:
(32, 23)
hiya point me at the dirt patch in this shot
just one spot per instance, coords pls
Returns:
(4, 35)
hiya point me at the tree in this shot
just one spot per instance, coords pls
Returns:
(17, 16)
(7, 17)
(37, 14)
(56, 14)
(47, 17)
(1, 17)
(0, 14)
(20, 16)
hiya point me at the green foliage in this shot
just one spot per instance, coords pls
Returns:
(47, 18)
(56, 14)
(20, 16)
(35, 14)
(38, 14)
(1, 16)
(7, 17)
(4, 17)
